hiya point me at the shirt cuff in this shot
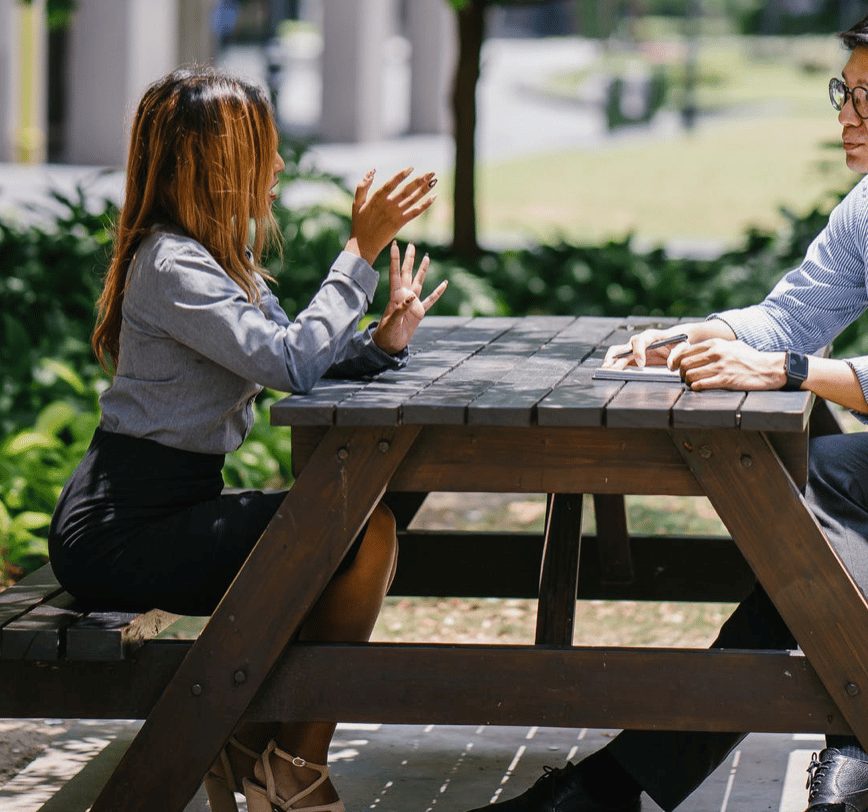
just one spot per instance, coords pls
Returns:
(355, 268)
(753, 326)
(377, 354)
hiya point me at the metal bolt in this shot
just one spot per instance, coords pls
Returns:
(746, 461)
(705, 452)
(196, 689)
(688, 446)
(240, 676)
(343, 453)
(384, 446)
(852, 689)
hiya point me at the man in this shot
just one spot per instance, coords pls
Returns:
(762, 347)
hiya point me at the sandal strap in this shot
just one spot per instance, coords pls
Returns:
(296, 761)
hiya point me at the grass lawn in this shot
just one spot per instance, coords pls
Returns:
(769, 139)
(713, 184)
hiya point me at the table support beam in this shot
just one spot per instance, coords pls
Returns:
(256, 619)
(559, 572)
(809, 586)
(616, 560)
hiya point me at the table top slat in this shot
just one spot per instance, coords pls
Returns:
(776, 411)
(641, 404)
(712, 409)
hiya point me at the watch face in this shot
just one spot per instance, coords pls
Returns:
(797, 370)
(797, 366)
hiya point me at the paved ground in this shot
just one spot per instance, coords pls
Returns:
(392, 768)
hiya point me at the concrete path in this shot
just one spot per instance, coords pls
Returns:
(395, 768)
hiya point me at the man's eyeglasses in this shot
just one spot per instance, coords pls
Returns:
(838, 93)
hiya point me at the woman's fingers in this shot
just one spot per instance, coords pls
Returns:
(364, 184)
(414, 211)
(414, 190)
(420, 274)
(390, 185)
(430, 300)
(407, 266)
(394, 267)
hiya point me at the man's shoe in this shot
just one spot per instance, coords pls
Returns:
(560, 790)
(837, 783)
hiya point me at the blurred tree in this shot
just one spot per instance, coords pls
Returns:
(59, 12)
(471, 33)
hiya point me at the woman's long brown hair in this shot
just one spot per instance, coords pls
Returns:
(201, 157)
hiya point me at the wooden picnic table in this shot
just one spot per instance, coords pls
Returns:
(509, 405)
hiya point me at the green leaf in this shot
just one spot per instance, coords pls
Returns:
(26, 441)
(54, 417)
(31, 520)
(5, 521)
(50, 369)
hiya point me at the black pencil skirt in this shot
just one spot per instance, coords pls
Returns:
(141, 526)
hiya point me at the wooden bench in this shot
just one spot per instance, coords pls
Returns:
(40, 621)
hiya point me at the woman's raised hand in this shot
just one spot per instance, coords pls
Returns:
(378, 217)
(405, 310)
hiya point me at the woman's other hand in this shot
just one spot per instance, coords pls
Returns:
(405, 309)
(379, 216)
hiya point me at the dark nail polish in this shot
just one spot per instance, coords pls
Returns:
(432, 183)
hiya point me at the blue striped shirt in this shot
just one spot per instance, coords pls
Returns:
(813, 303)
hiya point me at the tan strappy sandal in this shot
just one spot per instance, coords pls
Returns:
(221, 783)
(257, 794)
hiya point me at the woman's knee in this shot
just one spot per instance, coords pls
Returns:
(381, 540)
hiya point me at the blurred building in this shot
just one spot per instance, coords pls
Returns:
(67, 94)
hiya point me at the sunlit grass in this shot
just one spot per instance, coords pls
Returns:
(771, 142)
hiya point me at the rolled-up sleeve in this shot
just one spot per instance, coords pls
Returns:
(813, 303)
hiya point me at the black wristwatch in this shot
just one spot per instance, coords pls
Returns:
(796, 367)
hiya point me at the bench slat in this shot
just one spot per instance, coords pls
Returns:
(29, 592)
(100, 636)
(38, 635)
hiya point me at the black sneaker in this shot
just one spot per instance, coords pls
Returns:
(837, 783)
(560, 789)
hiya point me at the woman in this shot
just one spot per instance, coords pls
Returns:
(193, 333)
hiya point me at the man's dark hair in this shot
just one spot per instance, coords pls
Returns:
(857, 35)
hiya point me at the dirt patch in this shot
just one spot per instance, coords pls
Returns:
(21, 741)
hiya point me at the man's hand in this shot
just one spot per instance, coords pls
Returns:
(379, 217)
(638, 344)
(721, 364)
(405, 311)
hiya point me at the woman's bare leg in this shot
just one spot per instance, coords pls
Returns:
(345, 613)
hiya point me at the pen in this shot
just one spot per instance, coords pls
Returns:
(662, 342)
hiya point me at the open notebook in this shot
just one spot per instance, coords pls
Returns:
(658, 374)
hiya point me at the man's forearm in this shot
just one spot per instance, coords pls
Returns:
(835, 380)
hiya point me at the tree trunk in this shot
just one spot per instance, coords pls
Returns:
(471, 30)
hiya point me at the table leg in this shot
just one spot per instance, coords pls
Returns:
(787, 550)
(613, 540)
(260, 613)
(559, 573)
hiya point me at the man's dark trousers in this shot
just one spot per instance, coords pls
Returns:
(670, 765)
